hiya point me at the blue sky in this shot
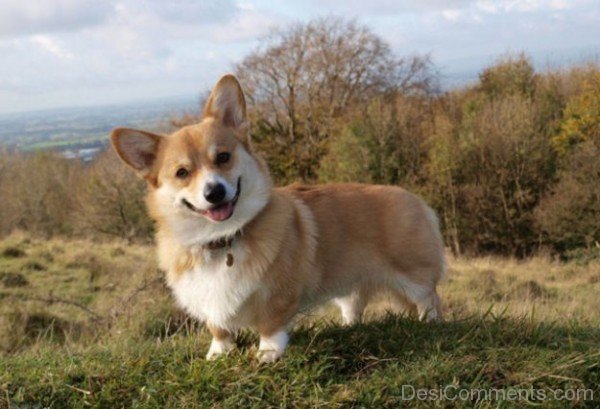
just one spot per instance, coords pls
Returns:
(59, 53)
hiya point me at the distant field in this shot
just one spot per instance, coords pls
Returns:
(91, 324)
(66, 143)
(86, 127)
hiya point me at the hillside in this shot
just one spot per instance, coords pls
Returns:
(85, 323)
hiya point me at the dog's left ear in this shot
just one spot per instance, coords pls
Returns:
(137, 149)
(227, 105)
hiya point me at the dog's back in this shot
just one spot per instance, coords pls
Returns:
(373, 236)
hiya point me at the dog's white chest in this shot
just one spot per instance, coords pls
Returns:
(215, 293)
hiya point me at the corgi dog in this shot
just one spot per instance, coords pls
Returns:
(241, 253)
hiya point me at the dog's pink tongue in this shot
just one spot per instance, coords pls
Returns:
(222, 212)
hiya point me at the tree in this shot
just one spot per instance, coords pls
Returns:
(582, 117)
(510, 75)
(442, 186)
(507, 166)
(570, 215)
(385, 142)
(303, 81)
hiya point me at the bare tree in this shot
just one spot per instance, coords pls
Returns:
(302, 81)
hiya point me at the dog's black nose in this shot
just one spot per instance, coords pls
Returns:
(214, 192)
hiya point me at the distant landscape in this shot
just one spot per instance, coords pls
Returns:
(83, 131)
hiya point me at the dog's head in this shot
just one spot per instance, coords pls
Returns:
(204, 180)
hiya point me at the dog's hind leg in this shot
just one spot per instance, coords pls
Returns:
(429, 307)
(424, 297)
(352, 306)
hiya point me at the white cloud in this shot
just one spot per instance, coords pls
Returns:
(451, 15)
(50, 45)
(488, 6)
(381, 7)
(248, 25)
(21, 17)
(560, 5)
(524, 6)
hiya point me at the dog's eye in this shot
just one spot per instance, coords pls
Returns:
(223, 157)
(182, 173)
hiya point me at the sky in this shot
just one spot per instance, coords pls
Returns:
(63, 53)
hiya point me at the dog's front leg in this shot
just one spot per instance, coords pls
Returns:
(271, 346)
(273, 330)
(222, 342)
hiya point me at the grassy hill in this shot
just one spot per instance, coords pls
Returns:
(85, 323)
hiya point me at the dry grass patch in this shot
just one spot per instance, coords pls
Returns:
(97, 326)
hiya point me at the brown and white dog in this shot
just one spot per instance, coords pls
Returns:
(240, 253)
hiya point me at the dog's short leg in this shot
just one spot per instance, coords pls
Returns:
(273, 326)
(423, 296)
(273, 339)
(352, 306)
(429, 307)
(271, 346)
(222, 343)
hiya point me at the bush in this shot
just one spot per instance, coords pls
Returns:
(111, 201)
(38, 193)
(570, 215)
(49, 195)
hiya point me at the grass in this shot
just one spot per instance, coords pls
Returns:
(94, 326)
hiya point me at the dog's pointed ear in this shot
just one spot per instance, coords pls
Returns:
(137, 148)
(227, 104)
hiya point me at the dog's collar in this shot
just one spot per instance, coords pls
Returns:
(222, 243)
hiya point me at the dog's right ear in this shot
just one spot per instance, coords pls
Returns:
(226, 103)
(137, 148)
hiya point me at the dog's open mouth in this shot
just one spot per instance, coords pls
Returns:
(220, 212)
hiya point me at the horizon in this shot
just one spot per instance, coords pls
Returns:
(107, 105)
(79, 53)
(459, 80)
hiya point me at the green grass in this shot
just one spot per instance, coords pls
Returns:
(510, 325)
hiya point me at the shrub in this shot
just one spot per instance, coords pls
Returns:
(111, 201)
(569, 215)
(38, 193)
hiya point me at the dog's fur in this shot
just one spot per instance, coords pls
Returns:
(282, 250)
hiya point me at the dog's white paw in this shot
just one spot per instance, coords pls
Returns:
(267, 357)
(272, 347)
(218, 348)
